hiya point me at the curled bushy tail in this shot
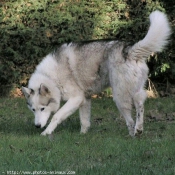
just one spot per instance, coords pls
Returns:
(156, 38)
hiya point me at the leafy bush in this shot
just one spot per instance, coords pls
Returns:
(30, 29)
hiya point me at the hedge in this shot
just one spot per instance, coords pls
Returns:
(30, 29)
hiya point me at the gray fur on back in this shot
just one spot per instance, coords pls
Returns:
(88, 63)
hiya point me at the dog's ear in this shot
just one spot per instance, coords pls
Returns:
(43, 90)
(27, 92)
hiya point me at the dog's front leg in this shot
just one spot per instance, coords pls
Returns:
(69, 108)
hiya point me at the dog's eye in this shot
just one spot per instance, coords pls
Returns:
(33, 110)
(42, 109)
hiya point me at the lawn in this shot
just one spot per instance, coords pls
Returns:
(106, 149)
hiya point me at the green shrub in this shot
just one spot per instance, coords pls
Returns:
(30, 29)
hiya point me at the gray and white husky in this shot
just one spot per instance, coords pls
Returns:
(75, 71)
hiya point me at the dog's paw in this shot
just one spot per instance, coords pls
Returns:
(138, 132)
(46, 132)
(131, 131)
(84, 130)
(43, 133)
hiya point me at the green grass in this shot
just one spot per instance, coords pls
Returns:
(106, 149)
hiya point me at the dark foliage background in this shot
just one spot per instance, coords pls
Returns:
(30, 29)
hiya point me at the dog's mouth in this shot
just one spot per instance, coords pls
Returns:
(38, 126)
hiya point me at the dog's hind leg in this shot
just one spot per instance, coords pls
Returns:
(125, 108)
(126, 113)
(85, 113)
(139, 99)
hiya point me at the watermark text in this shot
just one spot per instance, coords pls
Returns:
(38, 172)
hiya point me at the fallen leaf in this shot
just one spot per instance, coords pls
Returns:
(155, 115)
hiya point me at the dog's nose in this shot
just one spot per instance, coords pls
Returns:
(38, 126)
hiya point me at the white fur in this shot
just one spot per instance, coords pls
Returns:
(156, 38)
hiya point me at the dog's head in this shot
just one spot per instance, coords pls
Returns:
(42, 103)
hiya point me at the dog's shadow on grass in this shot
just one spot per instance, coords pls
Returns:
(25, 126)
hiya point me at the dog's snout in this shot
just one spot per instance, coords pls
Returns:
(38, 126)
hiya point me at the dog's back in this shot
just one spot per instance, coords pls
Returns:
(88, 63)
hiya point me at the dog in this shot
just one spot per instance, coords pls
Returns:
(74, 71)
